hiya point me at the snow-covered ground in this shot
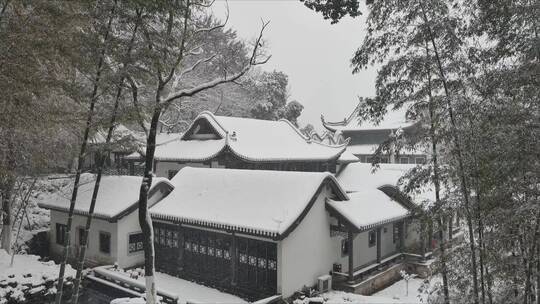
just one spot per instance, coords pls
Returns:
(185, 290)
(26, 271)
(419, 290)
(418, 293)
(192, 292)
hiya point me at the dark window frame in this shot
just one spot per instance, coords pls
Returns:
(372, 238)
(395, 233)
(80, 235)
(61, 230)
(137, 243)
(345, 247)
(102, 249)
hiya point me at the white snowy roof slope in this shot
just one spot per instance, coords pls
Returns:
(249, 139)
(394, 119)
(266, 203)
(359, 176)
(116, 195)
(273, 140)
(369, 208)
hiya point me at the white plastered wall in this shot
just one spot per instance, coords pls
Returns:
(307, 252)
(388, 247)
(126, 226)
(363, 254)
(93, 253)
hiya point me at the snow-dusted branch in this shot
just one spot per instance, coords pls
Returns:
(253, 61)
(205, 5)
(181, 53)
(135, 96)
(195, 65)
(221, 25)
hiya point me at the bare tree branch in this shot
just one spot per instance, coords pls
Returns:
(180, 56)
(195, 65)
(135, 98)
(222, 25)
(253, 61)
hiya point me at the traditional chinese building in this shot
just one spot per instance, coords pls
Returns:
(366, 136)
(258, 233)
(243, 143)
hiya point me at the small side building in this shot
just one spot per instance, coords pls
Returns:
(115, 235)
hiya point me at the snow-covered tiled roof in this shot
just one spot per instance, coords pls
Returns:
(347, 157)
(360, 176)
(266, 203)
(369, 208)
(117, 195)
(362, 149)
(394, 119)
(249, 139)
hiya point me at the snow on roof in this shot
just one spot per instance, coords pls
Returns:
(273, 140)
(187, 150)
(266, 203)
(369, 208)
(362, 149)
(250, 139)
(116, 195)
(360, 176)
(394, 119)
(347, 157)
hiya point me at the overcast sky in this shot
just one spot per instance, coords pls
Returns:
(315, 54)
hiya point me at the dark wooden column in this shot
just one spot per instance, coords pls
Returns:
(423, 233)
(378, 239)
(234, 259)
(350, 239)
(402, 236)
(181, 247)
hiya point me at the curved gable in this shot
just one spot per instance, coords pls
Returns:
(204, 127)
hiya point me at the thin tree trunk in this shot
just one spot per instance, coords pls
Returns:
(461, 168)
(529, 262)
(6, 220)
(7, 197)
(24, 203)
(80, 162)
(145, 221)
(538, 270)
(89, 218)
(481, 246)
(436, 182)
(84, 245)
